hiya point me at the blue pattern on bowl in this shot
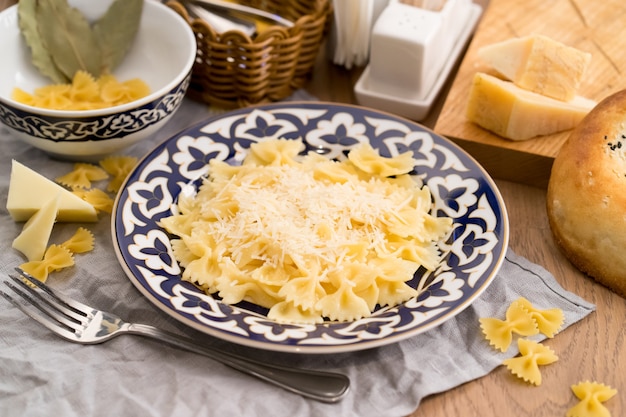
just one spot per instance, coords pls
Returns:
(94, 128)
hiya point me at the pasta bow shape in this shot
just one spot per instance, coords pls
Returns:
(591, 396)
(533, 354)
(60, 256)
(284, 153)
(80, 242)
(118, 167)
(115, 92)
(307, 237)
(369, 160)
(548, 321)
(82, 175)
(97, 198)
(84, 93)
(56, 257)
(83, 88)
(518, 320)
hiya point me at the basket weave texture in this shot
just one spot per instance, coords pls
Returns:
(234, 70)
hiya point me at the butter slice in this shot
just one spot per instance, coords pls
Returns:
(539, 64)
(33, 240)
(514, 113)
(29, 191)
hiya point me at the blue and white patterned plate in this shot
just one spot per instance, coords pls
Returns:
(461, 189)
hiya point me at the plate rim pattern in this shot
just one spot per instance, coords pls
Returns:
(466, 192)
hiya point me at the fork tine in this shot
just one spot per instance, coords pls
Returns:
(73, 305)
(41, 318)
(48, 306)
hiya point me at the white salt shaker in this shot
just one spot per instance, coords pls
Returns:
(409, 46)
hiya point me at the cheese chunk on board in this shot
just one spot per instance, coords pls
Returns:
(539, 64)
(517, 114)
(29, 191)
(33, 240)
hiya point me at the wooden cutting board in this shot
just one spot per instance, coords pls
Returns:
(598, 27)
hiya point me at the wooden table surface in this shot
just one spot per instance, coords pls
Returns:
(592, 349)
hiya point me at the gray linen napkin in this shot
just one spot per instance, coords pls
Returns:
(42, 374)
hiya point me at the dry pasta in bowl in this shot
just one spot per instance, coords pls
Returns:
(307, 237)
(84, 93)
(309, 227)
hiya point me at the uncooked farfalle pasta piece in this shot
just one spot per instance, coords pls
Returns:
(82, 241)
(118, 166)
(591, 396)
(60, 256)
(84, 93)
(549, 321)
(100, 200)
(82, 175)
(532, 354)
(56, 258)
(307, 237)
(518, 320)
(116, 92)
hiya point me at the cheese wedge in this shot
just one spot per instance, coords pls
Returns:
(33, 240)
(517, 114)
(539, 64)
(29, 191)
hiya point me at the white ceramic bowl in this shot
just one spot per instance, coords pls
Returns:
(162, 55)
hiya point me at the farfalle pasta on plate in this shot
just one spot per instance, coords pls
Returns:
(306, 237)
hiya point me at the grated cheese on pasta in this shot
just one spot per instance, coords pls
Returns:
(289, 210)
(306, 237)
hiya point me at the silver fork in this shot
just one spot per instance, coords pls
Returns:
(80, 323)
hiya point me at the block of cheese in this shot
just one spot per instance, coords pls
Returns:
(539, 64)
(33, 239)
(514, 113)
(29, 191)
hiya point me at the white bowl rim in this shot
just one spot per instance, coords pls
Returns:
(66, 114)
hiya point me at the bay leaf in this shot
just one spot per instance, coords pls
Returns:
(68, 37)
(40, 57)
(116, 30)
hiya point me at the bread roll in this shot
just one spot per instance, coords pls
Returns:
(586, 200)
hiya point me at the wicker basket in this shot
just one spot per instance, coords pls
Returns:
(233, 70)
